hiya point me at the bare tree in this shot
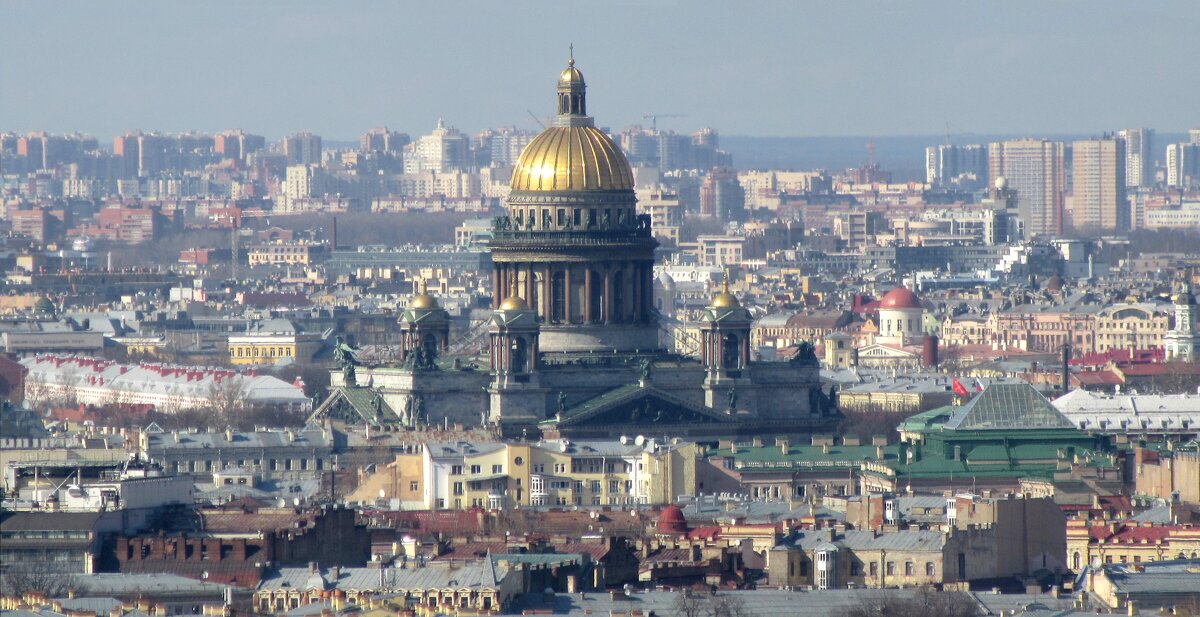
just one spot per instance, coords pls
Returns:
(925, 602)
(37, 392)
(24, 577)
(688, 603)
(227, 398)
(727, 605)
(68, 386)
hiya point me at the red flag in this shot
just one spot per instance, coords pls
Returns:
(959, 389)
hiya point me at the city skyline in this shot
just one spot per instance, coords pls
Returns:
(275, 68)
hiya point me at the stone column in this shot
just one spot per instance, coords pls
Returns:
(497, 290)
(528, 287)
(635, 284)
(567, 294)
(608, 293)
(546, 301)
(588, 317)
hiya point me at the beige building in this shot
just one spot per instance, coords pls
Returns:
(547, 473)
(720, 250)
(1034, 170)
(666, 214)
(1171, 475)
(1131, 326)
(1098, 200)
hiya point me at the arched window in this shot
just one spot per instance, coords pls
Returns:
(731, 352)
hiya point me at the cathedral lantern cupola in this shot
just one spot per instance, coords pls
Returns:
(514, 338)
(424, 329)
(725, 335)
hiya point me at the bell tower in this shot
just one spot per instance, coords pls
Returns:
(424, 329)
(515, 392)
(725, 352)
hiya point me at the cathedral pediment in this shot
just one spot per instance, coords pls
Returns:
(355, 406)
(885, 351)
(635, 406)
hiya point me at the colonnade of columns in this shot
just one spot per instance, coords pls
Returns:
(594, 292)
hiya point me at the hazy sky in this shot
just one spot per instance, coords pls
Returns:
(793, 68)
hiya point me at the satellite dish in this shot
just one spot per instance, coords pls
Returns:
(640, 441)
(624, 440)
(563, 446)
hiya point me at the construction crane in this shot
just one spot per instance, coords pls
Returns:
(653, 118)
(535, 118)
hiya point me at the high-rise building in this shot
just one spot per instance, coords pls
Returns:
(237, 144)
(382, 140)
(1098, 195)
(302, 149)
(126, 148)
(1139, 162)
(1183, 165)
(1194, 136)
(444, 149)
(1033, 169)
(722, 196)
(506, 145)
(948, 165)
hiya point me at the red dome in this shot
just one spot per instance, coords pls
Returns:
(671, 520)
(900, 298)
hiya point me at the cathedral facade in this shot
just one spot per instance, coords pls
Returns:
(573, 340)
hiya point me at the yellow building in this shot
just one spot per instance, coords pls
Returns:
(1099, 542)
(273, 341)
(284, 253)
(548, 473)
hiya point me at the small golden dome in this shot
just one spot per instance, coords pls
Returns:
(725, 299)
(422, 300)
(514, 303)
(570, 75)
(572, 158)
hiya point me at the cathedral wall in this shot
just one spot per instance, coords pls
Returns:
(458, 396)
(783, 389)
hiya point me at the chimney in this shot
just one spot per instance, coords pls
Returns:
(929, 351)
(1066, 368)
(784, 446)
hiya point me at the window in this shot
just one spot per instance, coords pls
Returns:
(518, 461)
(475, 469)
(909, 570)
(855, 568)
(874, 568)
(803, 568)
(497, 468)
(414, 486)
(929, 568)
(539, 468)
(891, 568)
(595, 486)
(456, 470)
(458, 488)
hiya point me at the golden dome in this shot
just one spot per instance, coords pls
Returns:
(725, 299)
(422, 300)
(514, 303)
(570, 75)
(572, 158)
